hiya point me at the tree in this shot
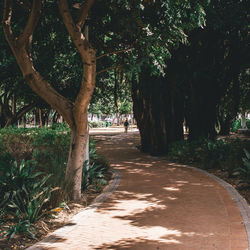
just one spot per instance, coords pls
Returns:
(145, 26)
(197, 76)
(74, 113)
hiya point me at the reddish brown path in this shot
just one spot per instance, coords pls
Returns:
(158, 205)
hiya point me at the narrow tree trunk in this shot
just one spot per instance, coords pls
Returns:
(40, 117)
(73, 175)
(13, 104)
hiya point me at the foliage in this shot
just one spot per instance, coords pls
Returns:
(224, 154)
(24, 191)
(237, 124)
(97, 124)
(94, 175)
(10, 231)
(50, 151)
(245, 169)
(94, 172)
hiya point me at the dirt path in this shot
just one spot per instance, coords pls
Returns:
(158, 205)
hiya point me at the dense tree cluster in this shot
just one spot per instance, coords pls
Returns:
(203, 84)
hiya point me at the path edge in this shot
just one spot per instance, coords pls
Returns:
(101, 198)
(108, 190)
(238, 199)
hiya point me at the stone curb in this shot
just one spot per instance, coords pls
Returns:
(66, 229)
(240, 201)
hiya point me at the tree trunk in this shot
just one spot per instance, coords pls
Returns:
(40, 118)
(73, 175)
(148, 107)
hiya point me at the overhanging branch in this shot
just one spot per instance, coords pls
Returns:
(115, 52)
(109, 68)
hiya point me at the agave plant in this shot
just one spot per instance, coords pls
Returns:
(24, 191)
(9, 231)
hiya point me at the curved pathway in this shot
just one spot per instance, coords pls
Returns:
(158, 205)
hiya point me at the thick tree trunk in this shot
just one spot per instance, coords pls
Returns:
(148, 106)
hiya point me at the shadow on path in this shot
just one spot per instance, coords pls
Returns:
(158, 205)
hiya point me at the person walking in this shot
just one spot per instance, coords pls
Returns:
(126, 125)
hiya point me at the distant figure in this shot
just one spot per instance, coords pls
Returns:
(126, 124)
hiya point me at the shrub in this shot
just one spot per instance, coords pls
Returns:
(24, 191)
(50, 151)
(237, 125)
(10, 231)
(95, 174)
(225, 154)
(97, 124)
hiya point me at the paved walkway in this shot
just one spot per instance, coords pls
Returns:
(158, 205)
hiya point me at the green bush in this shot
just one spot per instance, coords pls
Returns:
(237, 125)
(50, 151)
(97, 124)
(24, 193)
(224, 154)
(95, 173)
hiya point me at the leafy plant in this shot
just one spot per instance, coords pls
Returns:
(245, 169)
(214, 152)
(93, 175)
(237, 124)
(10, 231)
(24, 191)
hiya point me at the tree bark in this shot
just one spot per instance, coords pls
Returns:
(73, 174)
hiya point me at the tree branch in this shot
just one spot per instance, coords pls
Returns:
(115, 52)
(7, 14)
(75, 33)
(31, 23)
(19, 114)
(84, 12)
(109, 68)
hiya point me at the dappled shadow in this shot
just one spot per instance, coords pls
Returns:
(160, 205)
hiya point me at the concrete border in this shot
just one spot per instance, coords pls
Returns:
(66, 229)
(240, 201)
(108, 190)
